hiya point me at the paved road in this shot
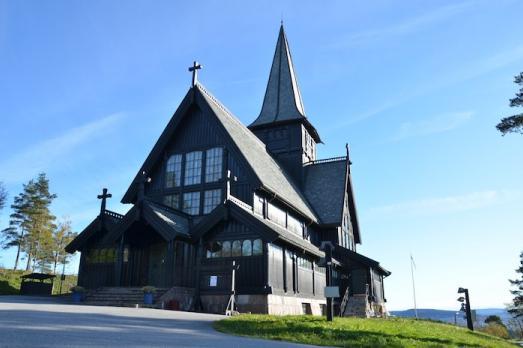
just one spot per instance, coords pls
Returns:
(45, 322)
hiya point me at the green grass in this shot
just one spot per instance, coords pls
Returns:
(10, 282)
(356, 332)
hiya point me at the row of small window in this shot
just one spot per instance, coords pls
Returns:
(237, 248)
(279, 216)
(106, 255)
(190, 203)
(193, 167)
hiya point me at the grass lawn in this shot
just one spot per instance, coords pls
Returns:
(356, 332)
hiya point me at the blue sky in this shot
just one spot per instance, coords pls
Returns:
(416, 88)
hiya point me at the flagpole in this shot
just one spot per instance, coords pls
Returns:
(413, 285)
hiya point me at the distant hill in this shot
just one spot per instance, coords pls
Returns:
(448, 316)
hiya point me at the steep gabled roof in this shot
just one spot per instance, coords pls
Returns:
(282, 101)
(269, 174)
(325, 184)
(324, 187)
(112, 219)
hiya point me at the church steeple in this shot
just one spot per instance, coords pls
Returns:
(282, 100)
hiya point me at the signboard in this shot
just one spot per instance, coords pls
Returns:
(213, 281)
(332, 291)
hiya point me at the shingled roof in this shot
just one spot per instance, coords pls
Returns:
(324, 187)
(282, 101)
(111, 220)
(268, 172)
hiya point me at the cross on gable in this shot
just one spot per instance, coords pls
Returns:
(104, 197)
(194, 69)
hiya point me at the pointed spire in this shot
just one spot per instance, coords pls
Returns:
(282, 100)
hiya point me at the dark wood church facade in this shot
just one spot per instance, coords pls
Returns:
(213, 191)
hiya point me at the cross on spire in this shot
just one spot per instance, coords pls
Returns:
(103, 197)
(194, 69)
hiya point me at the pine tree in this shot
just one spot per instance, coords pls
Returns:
(516, 308)
(31, 224)
(514, 124)
(14, 235)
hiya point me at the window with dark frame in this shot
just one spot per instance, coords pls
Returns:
(193, 168)
(173, 171)
(191, 203)
(211, 199)
(213, 164)
(172, 201)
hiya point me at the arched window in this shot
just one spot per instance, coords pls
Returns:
(247, 248)
(236, 248)
(257, 247)
(226, 249)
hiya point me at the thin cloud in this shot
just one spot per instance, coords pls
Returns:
(438, 124)
(445, 205)
(458, 75)
(43, 155)
(408, 26)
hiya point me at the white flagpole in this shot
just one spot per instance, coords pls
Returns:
(412, 265)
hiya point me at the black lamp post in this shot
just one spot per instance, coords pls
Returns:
(465, 306)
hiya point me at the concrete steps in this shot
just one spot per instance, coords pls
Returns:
(121, 297)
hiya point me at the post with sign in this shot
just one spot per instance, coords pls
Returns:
(330, 290)
(465, 307)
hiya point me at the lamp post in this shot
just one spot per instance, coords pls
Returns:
(465, 306)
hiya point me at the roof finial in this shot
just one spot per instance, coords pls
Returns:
(194, 69)
(142, 180)
(103, 197)
(348, 154)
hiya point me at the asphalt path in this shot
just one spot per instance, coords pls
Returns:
(48, 322)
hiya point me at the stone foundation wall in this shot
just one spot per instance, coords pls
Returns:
(262, 304)
(184, 297)
(358, 305)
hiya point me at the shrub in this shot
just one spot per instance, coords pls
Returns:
(77, 289)
(495, 330)
(148, 289)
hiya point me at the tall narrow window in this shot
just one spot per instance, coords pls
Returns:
(191, 203)
(236, 248)
(173, 171)
(247, 248)
(213, 164)
(211, 200)
(257, 247)
(172, 201)
(226, 249)
(193, 168)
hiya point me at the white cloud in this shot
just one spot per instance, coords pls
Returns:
(40, 156)
(446, 205)
(438, 124)
(402, 28)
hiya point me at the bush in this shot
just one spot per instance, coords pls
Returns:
(77, 289)
(148, 289)
(495, 330)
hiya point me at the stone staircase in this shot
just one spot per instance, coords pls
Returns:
(121, 297)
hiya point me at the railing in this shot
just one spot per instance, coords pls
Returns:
(344, 302)
(240, 203)
(326, 160)
(113, 214)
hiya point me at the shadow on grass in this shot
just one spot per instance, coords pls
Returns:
(305, 333)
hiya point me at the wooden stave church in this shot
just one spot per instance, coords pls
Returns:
(213, 191)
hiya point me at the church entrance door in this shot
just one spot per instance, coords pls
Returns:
(157, 264)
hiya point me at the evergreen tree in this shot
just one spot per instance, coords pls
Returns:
(39, 241)
(516, 308)
(14, 235)
(514, 124)
(31, 224)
